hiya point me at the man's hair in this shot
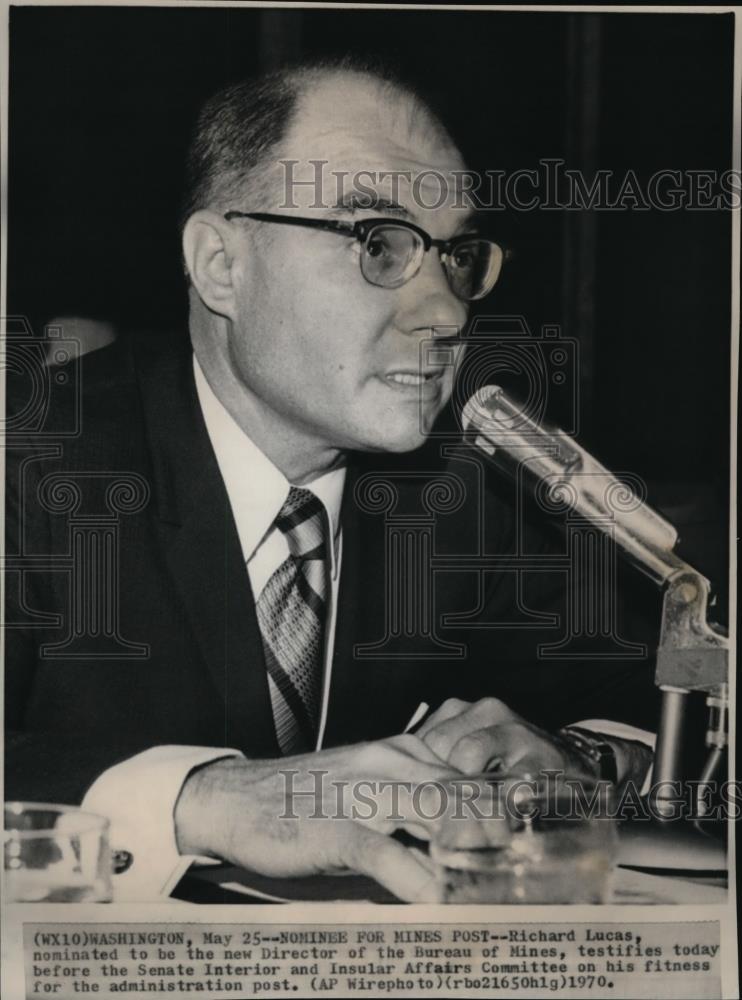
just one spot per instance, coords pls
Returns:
(235, 131)
(238, 128)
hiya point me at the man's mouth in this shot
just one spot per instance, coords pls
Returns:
(414, 378)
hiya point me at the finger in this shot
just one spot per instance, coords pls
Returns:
(510, 748)
(482, 750)
(404, 758)
(425, 807)
(471, 812)
(530, 759)
(415, 747)
(482, 714)
(393, 866)
(424, 859)
(418, 830)
(449, 709)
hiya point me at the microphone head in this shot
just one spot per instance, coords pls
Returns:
(502, 419)
(551, 460)
(476, 410)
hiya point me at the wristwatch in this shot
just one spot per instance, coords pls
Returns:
(596, 750)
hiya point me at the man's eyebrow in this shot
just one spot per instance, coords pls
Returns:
(370, 201)
(355, 201)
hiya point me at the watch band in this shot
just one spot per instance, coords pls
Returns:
(590, 745)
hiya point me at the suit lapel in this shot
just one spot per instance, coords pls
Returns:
(202, 547)
(369, 697)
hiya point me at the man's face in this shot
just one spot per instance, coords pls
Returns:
(331, 360)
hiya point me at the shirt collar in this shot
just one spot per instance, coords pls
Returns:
(255, 487)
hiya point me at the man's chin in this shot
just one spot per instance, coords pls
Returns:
(383, 433)
(395, 444)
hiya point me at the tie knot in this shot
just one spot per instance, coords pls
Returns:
(302, 519)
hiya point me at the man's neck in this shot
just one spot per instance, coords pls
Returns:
(301, 458)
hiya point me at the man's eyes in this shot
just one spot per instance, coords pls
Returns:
(377, 246)
(464, 258)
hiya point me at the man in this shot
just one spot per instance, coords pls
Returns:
(254, 572)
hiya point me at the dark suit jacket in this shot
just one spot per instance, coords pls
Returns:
(131, 621)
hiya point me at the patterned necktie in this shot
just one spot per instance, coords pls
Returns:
(291, 613)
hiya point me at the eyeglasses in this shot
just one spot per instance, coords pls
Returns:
(392, 252)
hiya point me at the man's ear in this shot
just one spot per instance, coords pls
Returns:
(209, 248)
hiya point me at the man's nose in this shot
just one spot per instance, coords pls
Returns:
(426, 302)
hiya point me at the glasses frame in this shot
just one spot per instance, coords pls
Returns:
(363, 229)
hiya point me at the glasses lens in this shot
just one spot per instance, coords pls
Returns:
(391, 255)
(473, 267)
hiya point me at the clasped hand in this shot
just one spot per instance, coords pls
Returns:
(333, 810)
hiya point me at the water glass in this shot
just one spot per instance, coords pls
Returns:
(537, 841)
(55, 854)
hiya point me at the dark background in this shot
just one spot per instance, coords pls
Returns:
(101, 101)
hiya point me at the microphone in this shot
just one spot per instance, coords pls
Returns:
(571, 476)
(692, 653)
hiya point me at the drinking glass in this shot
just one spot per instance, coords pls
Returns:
(534, 840)
(55, 854)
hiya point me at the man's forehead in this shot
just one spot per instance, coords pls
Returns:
(364, 130)
(364, 106)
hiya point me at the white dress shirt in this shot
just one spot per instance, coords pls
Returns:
(139, 795)
(257, 491)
